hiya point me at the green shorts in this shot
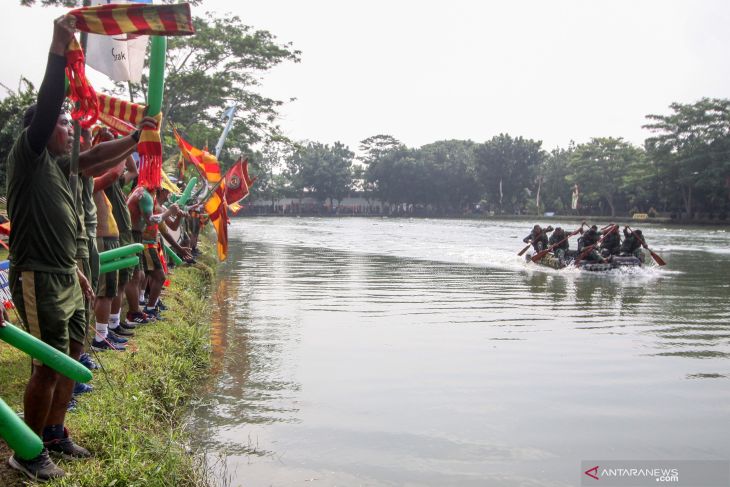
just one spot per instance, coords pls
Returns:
(150, 259)
(51, 306)
(109, 280)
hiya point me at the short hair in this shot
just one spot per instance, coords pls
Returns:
(28, 115)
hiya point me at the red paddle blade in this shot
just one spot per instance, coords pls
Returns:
(656, 258)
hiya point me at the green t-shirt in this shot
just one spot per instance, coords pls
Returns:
(41, 209)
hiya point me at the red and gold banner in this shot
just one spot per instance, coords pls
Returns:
(135, 18)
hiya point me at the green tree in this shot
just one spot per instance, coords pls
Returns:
(221, 65)
(271, 182)
(12, 108)
(321, 170)
(450, 171)
(600, 166)
(691, 150)
(507, 170)
(554, 171)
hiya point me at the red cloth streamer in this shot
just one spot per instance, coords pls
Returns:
(149, 148)
(86, 106)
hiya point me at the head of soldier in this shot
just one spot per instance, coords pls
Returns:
(61, 140)
(537, 229)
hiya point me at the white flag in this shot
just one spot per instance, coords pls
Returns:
(121, 57)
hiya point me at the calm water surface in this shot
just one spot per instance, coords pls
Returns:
(425, 352)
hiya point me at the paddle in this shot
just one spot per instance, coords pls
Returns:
(590, 248)
(543, 253)
(547, 230)
(653, 254)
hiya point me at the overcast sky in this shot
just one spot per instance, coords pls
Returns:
(423, 70)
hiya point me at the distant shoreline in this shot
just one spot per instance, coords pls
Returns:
(527, 218)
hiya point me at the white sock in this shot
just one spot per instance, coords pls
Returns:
(101, 331)
(156, 303)
(114, 321)
(141, 295)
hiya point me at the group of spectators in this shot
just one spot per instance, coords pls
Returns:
(62, 217)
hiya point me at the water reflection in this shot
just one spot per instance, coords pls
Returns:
(369, 367)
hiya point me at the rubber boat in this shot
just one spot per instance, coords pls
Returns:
(614, 262)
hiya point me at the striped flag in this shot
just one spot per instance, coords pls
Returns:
(135, 18)
(129, 112)
(205, 162)
(215, 207)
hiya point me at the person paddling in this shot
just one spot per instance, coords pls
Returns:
(559, 243)
(538, 237)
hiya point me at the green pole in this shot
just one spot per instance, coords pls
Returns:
(156, 87)
(17, 434)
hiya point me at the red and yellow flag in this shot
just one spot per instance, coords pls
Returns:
(129, 112)
(205, 162)
(135, 18)
(215, 207)
(236, 182)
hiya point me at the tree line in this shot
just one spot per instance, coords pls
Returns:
(682, 169)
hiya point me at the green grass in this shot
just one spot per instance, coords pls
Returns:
(133, 421)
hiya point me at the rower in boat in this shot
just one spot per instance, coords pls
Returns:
(631, 246)
(611, 244)
(561, 245)
(589, 238)
(538, 237)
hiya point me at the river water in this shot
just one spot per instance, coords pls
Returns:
(425, 352)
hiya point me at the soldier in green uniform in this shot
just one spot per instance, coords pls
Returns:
(561, 243)
(45, 282)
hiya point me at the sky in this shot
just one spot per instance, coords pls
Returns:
(424, 71)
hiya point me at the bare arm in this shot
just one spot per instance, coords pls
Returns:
(107, 179)
(113, 150)
(132, 172)
(102, 168)
(101, 157)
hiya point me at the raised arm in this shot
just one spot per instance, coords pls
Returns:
(51, 92)
(132, 171)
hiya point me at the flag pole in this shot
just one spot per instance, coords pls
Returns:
(230, 113)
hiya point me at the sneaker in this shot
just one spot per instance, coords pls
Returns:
(81, 388)
(87, 362)
(153, 314)
(114, 338)
(127, 326)
(66, 448)
(71, 404)
(137, 318)
(121, 332)
(104, 345)
(40, 468)
(161, 306)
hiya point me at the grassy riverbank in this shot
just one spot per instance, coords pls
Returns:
(133, 420)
